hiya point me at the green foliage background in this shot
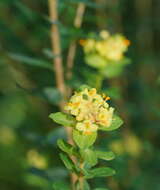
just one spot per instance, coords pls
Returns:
(28, 151)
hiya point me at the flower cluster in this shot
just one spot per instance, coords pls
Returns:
(110, 47)
(90, 110)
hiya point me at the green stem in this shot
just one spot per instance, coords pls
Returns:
(81, 182)
(99, 81)
(81, 178)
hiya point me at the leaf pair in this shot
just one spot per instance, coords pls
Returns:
(67, 120)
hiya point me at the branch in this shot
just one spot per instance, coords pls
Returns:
(56, 48)
(58, 64)
(72, 48)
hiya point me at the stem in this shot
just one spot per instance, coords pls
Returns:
(81, 177)
(72, 48)
(99, 81)
(56, 48)
(70, 62)
(58, 65)
(81, 182)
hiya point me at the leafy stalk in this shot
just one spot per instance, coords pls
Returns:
(81, 158)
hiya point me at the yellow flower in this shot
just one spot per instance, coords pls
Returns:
(110, 47)
(89, 45)
(104, 117)
(86, 127)
(104, 34)
(102, 47)
(113, 48)
(90, 110)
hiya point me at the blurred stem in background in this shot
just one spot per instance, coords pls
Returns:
(72, 48)
(55, 40)
(58, 61)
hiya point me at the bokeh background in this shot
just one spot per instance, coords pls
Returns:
(28, 152)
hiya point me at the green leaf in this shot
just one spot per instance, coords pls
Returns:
(30, 61)
(114, 68)
(101, 188)
(100, 172)
(85, 185)
(96, 61)
(64, 119)
(105, 155)
(66, 147)
(67, 161)
(60, 186)
(116, 123)
(89, 157)
(84, 141)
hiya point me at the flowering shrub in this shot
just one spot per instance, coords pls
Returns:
(88, 112)
(106, 53)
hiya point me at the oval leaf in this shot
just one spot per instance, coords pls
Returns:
(116, 123)
(93, 59)
(89, 157)
(105, 155)
(85, 185)
(30, 61)
(66, 147)
(100, 172)
(84, 141)
(64, 119)
(67, 161)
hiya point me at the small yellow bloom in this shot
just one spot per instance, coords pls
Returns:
(109, 47)
(90, 110)
(82, 42)
(104, 117)
(104, 34)
(92, 92)
(89, 45)
(86, 127)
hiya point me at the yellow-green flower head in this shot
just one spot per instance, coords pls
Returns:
(110, 47)
(90, 110)
(89, 45)
(104, 34)
(114, 47)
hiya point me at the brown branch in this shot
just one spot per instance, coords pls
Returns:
(72, 48)
(56, 48)
(57, 61)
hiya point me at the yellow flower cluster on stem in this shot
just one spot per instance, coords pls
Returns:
(90, 110)
(111, 47)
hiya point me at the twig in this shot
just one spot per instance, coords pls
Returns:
(57, 61)
(70, 62)
(72, 48)
(56, 48)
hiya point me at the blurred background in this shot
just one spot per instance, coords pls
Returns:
(28, 152)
